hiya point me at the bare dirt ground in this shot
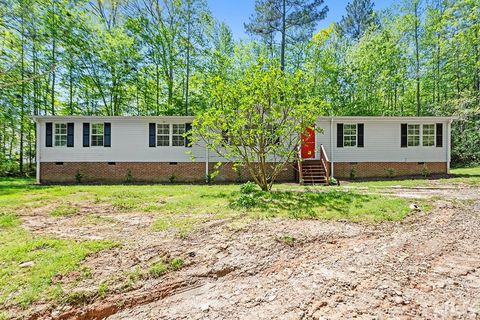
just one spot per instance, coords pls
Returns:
(427, 266)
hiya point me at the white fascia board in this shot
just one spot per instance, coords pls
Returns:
(112, 118)
(387, 119)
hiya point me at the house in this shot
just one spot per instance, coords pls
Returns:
(155, 149)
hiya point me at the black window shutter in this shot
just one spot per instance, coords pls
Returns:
(107, 135)
(360, 134)
(188, 128)
(70, 136)
(86, 134)
(339, 135)
(404, 139)
(151, 135)
(439, 135)
(48, 134)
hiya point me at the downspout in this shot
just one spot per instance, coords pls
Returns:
(331, 147)
(37, 151)
(207, 159)
(449, 137)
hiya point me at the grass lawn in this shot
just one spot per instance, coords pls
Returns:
(30, 262)
(466, 176)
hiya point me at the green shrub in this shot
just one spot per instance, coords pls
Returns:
(425, 171)
(390, 172)
(248, 188)
(129, 176)
(333, 181)
(172, 178)
(78, 176)
(246, 201)
(353, 173)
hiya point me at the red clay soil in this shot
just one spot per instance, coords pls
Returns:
(427, 266)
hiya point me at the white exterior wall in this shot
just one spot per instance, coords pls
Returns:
(130, 137)
(382, 141)
(129, 142)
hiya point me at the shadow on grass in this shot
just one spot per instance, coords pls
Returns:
(336, 204)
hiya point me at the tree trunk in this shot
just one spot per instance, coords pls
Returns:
(417, 58)
(54, 37)
(282, 50)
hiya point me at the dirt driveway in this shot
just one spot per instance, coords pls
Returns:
(427, 266)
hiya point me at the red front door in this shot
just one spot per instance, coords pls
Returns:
(308, 144)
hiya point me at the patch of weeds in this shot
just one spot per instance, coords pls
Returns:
(426, 171)
(48, 257)
(8, 220)
(78, 297)
(176, 264)
(163, 266)
(180, 224)
(248, 188)
(326, 205)
(95, 219)
(286, 239)
(172, 178)
(64, 210)
(86, 272)
(157, 269)
(3, 316)
(102, 289)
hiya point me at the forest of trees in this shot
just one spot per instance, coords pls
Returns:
(162, 57)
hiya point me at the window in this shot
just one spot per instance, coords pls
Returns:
(178, 140)
(60, 134)
(413, 135)
(163, 135)
(428, 135)
(97, 134)
(349, 135)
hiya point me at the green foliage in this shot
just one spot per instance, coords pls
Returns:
(8, 220)
(129, 176)
(258, 115)
(390, 172)
(325, 205)
(426, 171)
(353, 173)
(248, 187)
(64, 210)
(172, 178)
(78, 176)
(163, 266)
(46, 257)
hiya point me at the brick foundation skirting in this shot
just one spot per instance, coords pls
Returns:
(144, 172)
(161, 172)
(387, 169)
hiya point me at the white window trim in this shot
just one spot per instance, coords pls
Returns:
(170, 135)
(434, 135)
(182, 135)
(356, 135)
(420, 135)
(55, 135)
(91, 134)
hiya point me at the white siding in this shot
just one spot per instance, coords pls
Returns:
(382, 142)
(129, 142)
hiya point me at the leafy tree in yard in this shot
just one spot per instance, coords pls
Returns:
(257, 119)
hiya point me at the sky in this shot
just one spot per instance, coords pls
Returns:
(235, 12)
